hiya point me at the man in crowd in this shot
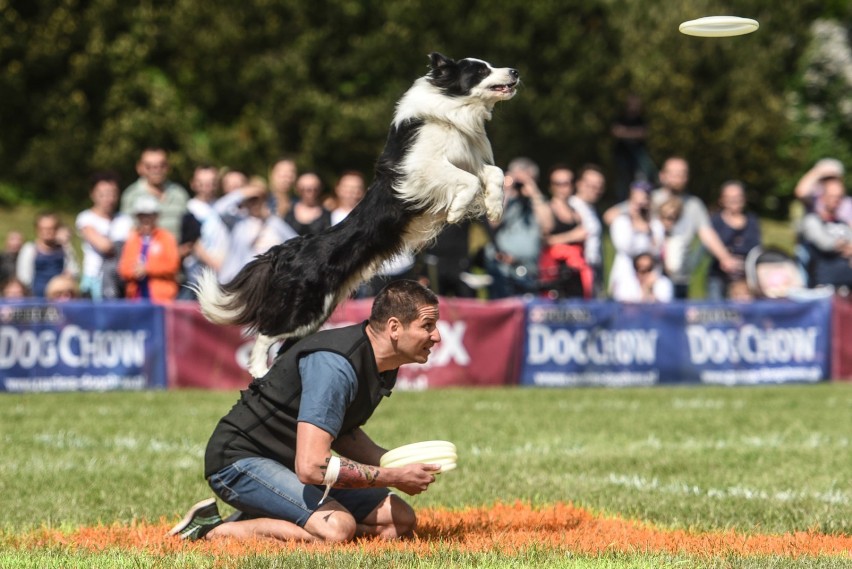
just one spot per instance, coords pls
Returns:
(589, 188)
(512, 256)
(694, 221)
(204, 238)
(46, 256)
(828, 238)
(269, 456)
(153, 170)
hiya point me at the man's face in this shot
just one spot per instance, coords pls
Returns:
(350, 190)
(283, 175)
(675, 175)
(591, 186)
(146, 223)
(415, 340)
(46, 229)
(233, 180)
(204, 182)
(833, 194)
(154, 167)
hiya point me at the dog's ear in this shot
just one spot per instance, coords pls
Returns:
(439, 62)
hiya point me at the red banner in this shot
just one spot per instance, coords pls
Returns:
(841, 339)
(204, 355)
(481, 345)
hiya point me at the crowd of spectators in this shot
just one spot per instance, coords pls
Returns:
(153, 239)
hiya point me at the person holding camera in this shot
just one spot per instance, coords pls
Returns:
(516, 240)
(633, 233)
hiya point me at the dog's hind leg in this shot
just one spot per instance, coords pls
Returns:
(493, 181)
(259, 357)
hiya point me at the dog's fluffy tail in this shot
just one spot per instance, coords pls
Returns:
(237, 302)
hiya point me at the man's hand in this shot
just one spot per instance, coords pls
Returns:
(731, 264)
(413, 478)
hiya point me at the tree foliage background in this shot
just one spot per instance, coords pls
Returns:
(86, 84)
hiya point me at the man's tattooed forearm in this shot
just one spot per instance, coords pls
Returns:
(356, 475)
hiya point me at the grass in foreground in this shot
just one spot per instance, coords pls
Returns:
(758, 460)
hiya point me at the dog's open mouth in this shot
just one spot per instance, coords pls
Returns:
(507, 88)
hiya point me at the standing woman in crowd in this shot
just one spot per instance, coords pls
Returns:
(282, 177)
(633, 233)
(308, 214)
(103, 231)
(255, 233)
(565, 238)
(739, 232)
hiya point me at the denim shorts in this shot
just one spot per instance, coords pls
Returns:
(263, 488)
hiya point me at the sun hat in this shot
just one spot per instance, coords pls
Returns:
(146, 205)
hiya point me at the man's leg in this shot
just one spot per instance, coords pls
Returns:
(377, 511)
(391, 519)
(330, 522)
(277, 505)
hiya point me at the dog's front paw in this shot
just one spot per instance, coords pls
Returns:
(455, 215)
(494, 211)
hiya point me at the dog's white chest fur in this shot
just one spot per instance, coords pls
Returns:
(449, 170)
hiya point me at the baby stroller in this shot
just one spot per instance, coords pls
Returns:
(772, 273)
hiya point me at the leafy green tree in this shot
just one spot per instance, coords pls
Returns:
(86, 84)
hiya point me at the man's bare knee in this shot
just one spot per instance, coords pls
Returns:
(333, 525)
(403, 516)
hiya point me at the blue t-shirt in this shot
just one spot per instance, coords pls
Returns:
(329, 387)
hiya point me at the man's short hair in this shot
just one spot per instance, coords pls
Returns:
(525, 164)
(400, 299)
(589, 168)
(104, 176)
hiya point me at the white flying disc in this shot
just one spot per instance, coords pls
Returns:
(409, 456)
(444, 462)
(430, 458)
(427, 452)
(719, 26)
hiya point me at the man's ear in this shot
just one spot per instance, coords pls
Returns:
(394, 328)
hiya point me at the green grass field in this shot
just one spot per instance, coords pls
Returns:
(758, 460)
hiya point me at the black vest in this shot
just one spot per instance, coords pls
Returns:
(263, 422)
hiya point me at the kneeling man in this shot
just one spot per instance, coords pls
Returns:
(271, 455)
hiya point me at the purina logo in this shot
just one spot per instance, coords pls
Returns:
(11, 314)
(715, 315)
(560, 314)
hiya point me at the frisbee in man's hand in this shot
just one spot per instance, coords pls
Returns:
(426, 452)
(719, 26)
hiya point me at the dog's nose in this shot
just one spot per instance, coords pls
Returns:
(514, 73)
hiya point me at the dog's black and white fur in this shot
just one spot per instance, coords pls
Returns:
(437, 167)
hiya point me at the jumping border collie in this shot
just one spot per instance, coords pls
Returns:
(437, 167)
